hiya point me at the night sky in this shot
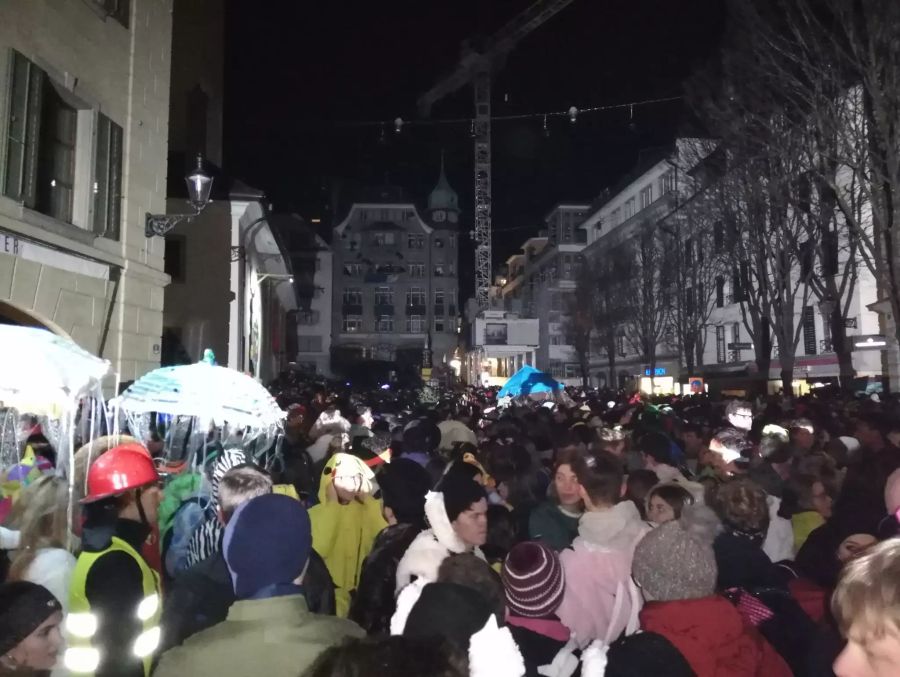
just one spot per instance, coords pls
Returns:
(296, 71)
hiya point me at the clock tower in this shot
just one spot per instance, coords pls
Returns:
(443, 204)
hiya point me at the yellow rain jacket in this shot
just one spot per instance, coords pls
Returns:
(343, 533)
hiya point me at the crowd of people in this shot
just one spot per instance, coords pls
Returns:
(593, 534)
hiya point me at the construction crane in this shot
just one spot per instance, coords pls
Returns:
(476, 67)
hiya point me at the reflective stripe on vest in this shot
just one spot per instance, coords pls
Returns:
(82, 657)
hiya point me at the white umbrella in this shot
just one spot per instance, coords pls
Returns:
(43, 373)
(203, 390)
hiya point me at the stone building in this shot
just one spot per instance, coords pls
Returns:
(84, 95)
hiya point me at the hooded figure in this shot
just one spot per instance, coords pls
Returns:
(404, 484)
(454, 496)
(269, 629)
(345, 523)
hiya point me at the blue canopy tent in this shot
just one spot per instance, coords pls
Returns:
(529, 381)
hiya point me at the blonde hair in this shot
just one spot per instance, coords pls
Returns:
(867, 597)
(43, 522)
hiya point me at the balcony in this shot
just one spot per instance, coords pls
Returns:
(383, 309)
(439, 310)
(352, 309)
(416, 309)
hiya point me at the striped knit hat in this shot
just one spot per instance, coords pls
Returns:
(533, 579)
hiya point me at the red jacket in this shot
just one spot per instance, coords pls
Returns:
(714, 638)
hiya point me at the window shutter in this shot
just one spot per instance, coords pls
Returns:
(23, 129)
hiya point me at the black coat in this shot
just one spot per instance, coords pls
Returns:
(537, 650)
(374, 602)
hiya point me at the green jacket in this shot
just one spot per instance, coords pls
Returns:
(272, 637)
(550, 525)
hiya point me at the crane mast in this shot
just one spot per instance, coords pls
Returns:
(477, 68)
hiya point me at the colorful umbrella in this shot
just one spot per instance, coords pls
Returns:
(203, 390)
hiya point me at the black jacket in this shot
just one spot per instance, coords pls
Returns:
(114, 587)
(374, 602)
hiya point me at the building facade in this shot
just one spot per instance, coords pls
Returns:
(395, 281)
(84, 95)
(666, 196)
(540, 284)
(313, 276)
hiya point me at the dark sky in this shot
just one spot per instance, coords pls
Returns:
(296, 70)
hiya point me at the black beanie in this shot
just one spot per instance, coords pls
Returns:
(448, 610)
(404, 484)
(459, 492)
(646, 654)
(23, 607)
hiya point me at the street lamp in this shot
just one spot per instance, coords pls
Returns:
(199, 185)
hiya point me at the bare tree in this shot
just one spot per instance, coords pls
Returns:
(832, 69)
(579, 322)
(698, 272)
(605, 295)
(647, 288)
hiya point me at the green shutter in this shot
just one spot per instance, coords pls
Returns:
(23, 129)
(107, 179)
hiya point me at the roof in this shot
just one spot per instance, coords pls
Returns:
(443, 196)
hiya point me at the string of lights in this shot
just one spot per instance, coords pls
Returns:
(572, 113)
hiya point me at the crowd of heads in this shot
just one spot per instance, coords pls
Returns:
(464, 516)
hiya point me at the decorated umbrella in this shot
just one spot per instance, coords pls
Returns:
(206, 391)
(44, 373)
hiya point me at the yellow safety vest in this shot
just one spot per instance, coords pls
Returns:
(82, 657)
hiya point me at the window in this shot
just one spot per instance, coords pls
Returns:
(308, 318)
(616, 217)
(718, 235)
(736, 338)
(689, 301)
(646, 196)
(352, 323)
(571, 370)
(451, 241)
(556, 340)
(440, 270)
(567, 268)
(384, 239)
(309, 344)
(353, 269)
(415, 324)
(174, 257)
(415, 241)
(115, 9)
(351, 241)
(629, 208)
(721, 355)
(108, 179)
(415, 296)
(720, 291)
(829, 253)
(41, 143)
(667, 182)
(440, 325)
(620, 345)
(438, 301)
(416, 270)
(807, 257)
(689, 252)
(384, 296)
(385, 323)
(353, 296)
(809, 331)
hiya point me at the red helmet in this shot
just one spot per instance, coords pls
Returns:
(120, 469)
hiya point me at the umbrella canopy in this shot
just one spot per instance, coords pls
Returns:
(529, 381)
(44, 373)
(203, 390)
